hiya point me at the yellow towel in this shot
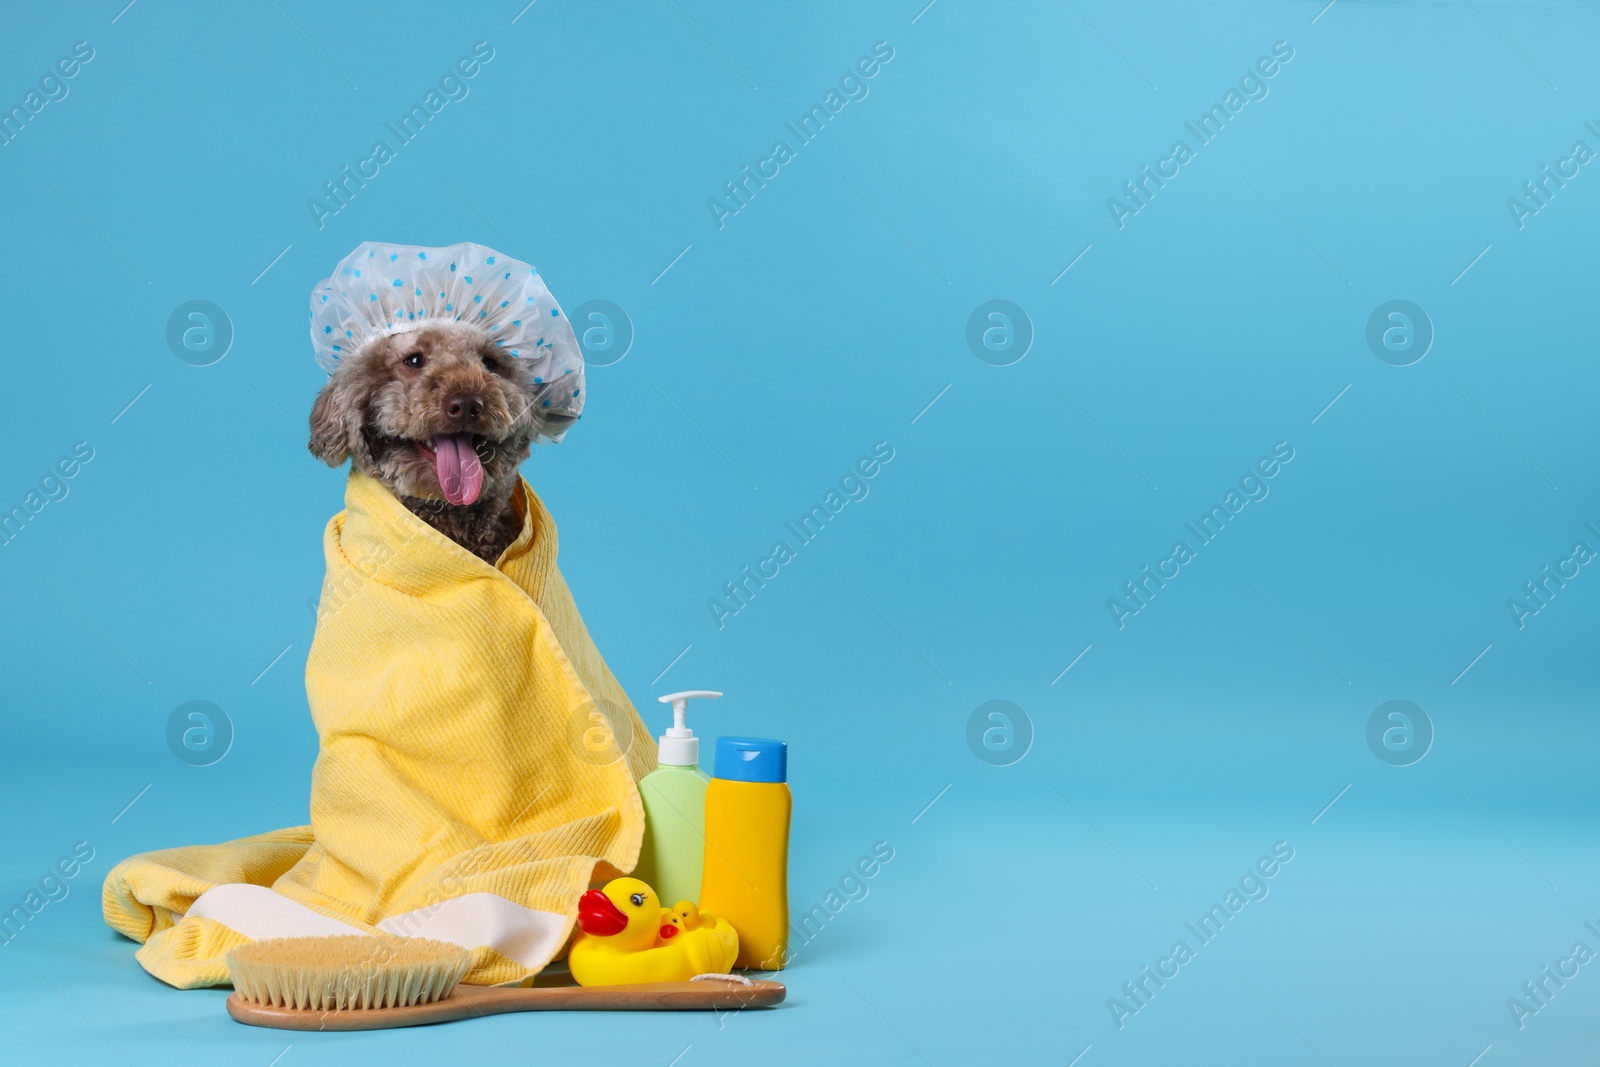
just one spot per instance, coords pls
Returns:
(469, 787)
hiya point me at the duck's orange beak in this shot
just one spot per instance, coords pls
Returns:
(598, 916)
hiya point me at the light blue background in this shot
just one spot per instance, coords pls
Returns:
(822, 318)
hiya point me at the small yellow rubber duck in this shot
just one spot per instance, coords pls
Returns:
(625, 938)
(685, 916)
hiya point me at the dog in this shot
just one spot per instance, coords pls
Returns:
(443, 417)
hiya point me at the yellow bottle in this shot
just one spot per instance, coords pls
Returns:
(746, 874)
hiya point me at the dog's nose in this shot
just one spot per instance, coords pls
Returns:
(463, 406)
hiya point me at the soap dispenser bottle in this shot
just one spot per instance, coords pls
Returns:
(674, 795)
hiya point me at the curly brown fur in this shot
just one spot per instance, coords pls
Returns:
(385, 407)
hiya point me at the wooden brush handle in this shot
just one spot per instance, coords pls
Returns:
(470, 1002)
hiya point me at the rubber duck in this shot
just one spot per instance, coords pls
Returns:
(623, 939)
(685, 916)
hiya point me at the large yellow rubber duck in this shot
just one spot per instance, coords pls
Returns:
(623, 939)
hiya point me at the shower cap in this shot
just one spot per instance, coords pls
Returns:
(382, 289)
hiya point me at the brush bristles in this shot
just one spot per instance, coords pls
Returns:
(346, 973)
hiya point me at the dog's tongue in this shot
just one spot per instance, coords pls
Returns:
(455, 461)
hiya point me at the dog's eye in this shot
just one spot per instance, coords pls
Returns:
(414, 360)
(490, 363)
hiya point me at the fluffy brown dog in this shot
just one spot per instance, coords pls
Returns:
(442, 417)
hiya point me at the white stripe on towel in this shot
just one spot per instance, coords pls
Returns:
(472, 921)
(259, 913)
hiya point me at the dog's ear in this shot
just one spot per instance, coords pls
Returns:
(335, 424)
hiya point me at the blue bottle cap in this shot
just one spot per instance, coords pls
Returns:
(752, 759)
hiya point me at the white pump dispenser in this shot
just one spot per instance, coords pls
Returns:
(679, 747)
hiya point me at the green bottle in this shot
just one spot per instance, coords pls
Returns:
(674, 796)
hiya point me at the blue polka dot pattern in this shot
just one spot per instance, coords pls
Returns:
(427, 285)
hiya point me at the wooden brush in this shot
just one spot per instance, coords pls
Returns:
(382, 981)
